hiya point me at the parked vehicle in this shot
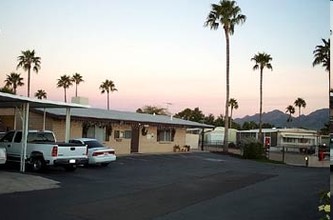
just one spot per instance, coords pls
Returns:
(3, 155)
(43, 150)
(97, 152)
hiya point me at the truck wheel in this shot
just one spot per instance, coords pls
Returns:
(37, 164)
(70, 167)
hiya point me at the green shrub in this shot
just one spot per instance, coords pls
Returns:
(253, 150)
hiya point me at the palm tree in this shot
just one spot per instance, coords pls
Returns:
(77, 79)
(14, 80)
(290, 110)
(300, 103)
(40, 94)
(227, 14)
(262, 60)
(107, 86)
(27, 61)
(322, 56)
(6, 89)
(64, 82)
(233, 105)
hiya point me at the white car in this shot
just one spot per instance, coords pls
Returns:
(97, 152)
(3, 155)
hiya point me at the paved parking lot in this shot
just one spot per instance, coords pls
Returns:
(174, 186)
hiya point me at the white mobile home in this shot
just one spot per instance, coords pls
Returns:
(292, 139)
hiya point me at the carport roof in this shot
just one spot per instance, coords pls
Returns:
(11, 101)
(113, 115)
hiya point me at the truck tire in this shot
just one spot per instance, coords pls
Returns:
(37, 164)
(71, 167)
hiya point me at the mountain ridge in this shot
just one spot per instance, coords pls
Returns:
(314, 121)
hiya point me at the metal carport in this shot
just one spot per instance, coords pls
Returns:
(14, 101)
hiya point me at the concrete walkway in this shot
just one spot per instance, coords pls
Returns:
(18, 182)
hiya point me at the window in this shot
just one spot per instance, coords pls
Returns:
(127, 134)
(18, 137)
(8, 137)
(166, 134)
(40, 137)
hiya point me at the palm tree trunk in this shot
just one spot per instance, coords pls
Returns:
(76, 90)
(29, 82)
(230, 118)
(65, 98)
(108, 100)
(260, 108)
(226, 120)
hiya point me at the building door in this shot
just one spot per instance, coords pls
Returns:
(135, 139)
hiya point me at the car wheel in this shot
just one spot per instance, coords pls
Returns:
(104, 164)
(37, 164)
(70, 167)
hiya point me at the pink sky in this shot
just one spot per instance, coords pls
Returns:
(172, 59)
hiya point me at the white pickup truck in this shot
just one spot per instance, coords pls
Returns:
(43, 150)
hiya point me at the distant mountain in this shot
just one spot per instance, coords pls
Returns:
(315, 120)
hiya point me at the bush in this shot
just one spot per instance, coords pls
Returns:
(253, 150)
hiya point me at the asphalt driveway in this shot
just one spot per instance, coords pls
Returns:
(174, 186)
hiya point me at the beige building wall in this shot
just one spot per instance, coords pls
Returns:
(121, 145)
(59, 129)
(149, 144)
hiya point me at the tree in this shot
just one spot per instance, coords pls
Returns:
(153, 110)
(262, 60)
(228, 15)
(107, 86)
(322, 56)
(191, 115)
(233, 104)
(14, 80)
(6, 89)
(219, 121)
(209, 120)
(64, 82)
(40, 94)
(300, 103)
(249, 125)
(77, 79)
(290, 110)
(27, 61)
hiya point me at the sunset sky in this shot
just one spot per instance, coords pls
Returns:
(159, 52)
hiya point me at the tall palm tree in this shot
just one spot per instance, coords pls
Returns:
(233, 104)
(262, 60)
(228, 15)
(322, 56)
(107, 86)
(40, 94)
(300, 103)
(14, 80)
(27, 61)
(64, 82)
(77, 79)
(290, 110)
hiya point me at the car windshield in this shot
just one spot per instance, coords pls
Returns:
(93, 144)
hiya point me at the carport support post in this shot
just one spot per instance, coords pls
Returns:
(68, 124)
(202, 138)
(25, 126)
